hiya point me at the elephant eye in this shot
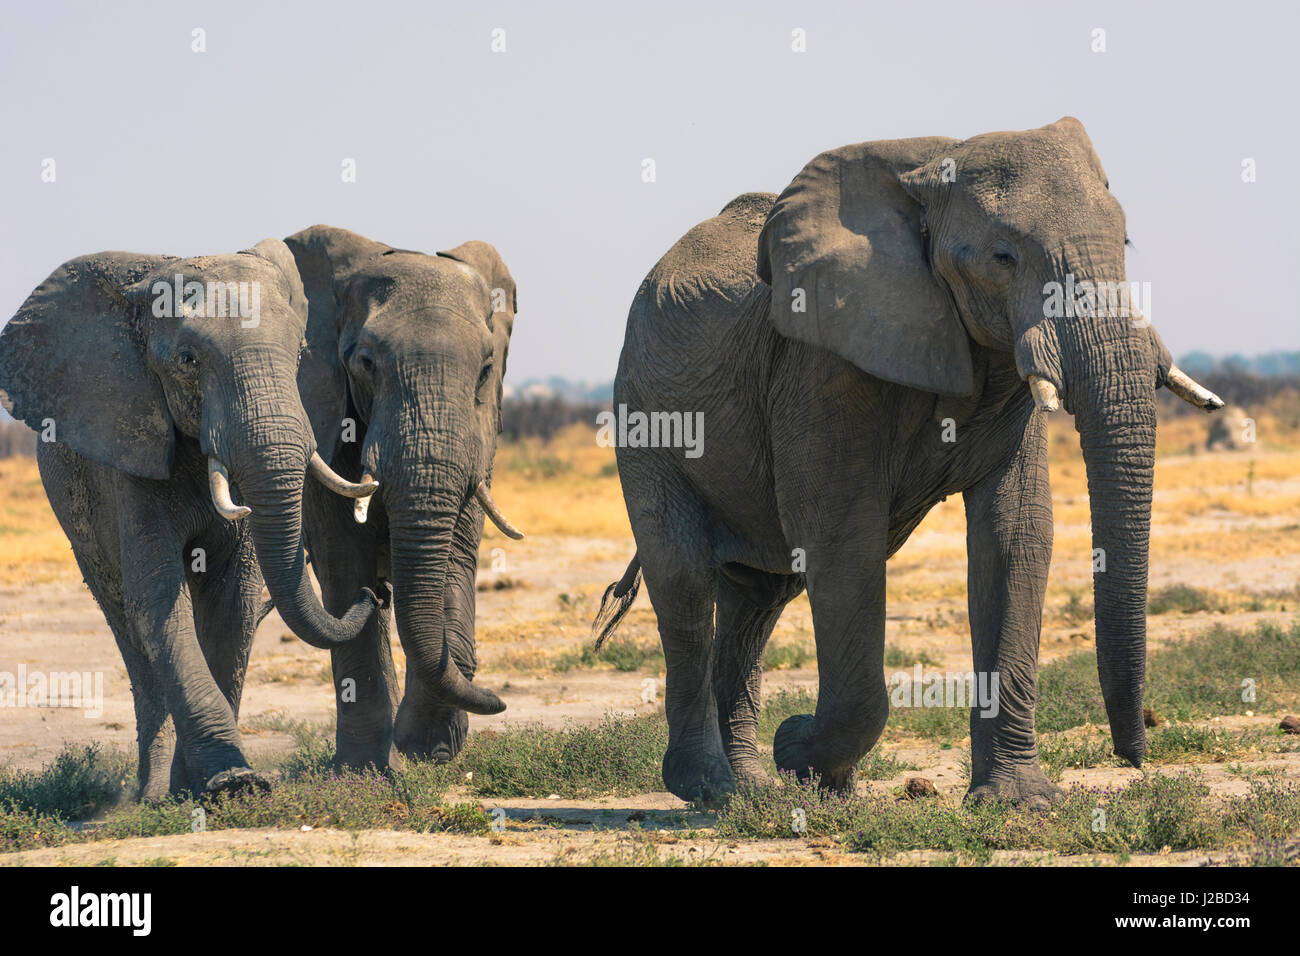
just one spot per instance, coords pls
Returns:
(187, 357)
(484, 380)
(1005, 259)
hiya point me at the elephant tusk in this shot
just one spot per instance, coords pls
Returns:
(492, 511)
(1044, 392)
(336, 483)
(1191, 391)
(219, 483)
(361, 507)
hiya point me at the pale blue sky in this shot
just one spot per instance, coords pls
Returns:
(539, 150)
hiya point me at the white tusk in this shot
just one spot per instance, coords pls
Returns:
(492, 511)
(1044, 392)
(361, 507)
(336, 483)
(219, 483)
(1191, 391)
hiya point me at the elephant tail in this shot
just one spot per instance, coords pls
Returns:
(616, 602)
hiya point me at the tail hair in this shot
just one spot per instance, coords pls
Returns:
(616, 602)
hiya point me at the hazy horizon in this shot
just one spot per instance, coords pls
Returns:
(539, 149)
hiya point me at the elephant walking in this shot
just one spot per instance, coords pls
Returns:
(402, 382)
(859, 349)
(156, 382)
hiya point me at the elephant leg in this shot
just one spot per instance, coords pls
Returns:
(86, 512)
(682, 588)
(344, 558)
(160, 618)
(228, 607)
(749, 604)
(1009, 547)
(846, 589)
(155, 733)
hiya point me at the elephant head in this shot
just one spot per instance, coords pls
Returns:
(125, 355)
(415, 345)
(897, 254)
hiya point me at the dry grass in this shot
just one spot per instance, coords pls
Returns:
(33, 548)
(1210, 511)
(567, 487)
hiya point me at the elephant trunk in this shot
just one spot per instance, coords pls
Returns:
(423, 539)
(1110, 382)
(276, 525)
(264, 437)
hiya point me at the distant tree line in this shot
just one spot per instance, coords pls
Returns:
(543, 417)
(520, 418)
(1235, 387)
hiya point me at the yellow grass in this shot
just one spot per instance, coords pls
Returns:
(32, 545)
(1209, 509)
(567, 487)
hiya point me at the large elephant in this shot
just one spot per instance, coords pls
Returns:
(883, 334)
(402, 381)
(155, 382)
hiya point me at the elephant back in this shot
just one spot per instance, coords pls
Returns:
(692, 302)
(714, 264)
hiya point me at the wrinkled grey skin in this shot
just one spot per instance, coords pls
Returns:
(139, 403)
(824, 432)
(409, 348)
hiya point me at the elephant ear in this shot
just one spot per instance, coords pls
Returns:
(75, 354)
(324, 255)
(845, 254)
(277, 253)
(487, 262)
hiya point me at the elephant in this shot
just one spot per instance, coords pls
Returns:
(402, 380)
(877, 337)
(1229, 429)
(150, 405)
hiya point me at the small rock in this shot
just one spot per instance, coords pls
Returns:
(553, 796)
(1290, 724)
(1150, 718)
(918, 787)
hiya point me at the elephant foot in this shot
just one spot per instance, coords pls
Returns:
(1026, 787)
(749, 773)
(154, 788)
(698, 777)
(437, 736)
(792, 749)
(235, 780)
(357, 754)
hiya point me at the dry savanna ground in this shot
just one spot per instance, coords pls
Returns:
(569, 773)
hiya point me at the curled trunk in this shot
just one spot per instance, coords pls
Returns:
(276, 524)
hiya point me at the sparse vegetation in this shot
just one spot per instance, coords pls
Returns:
(80, 782)
(1149, 815)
